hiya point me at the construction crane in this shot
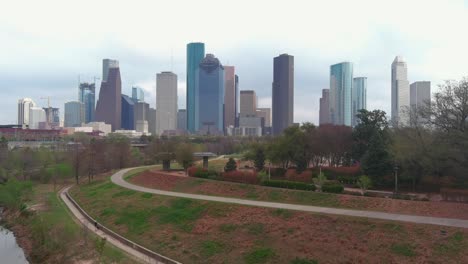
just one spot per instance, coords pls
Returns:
(49, 112)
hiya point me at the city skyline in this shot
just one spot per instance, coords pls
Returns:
(424, 44)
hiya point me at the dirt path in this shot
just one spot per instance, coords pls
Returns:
(117, 178)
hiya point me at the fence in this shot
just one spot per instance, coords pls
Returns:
(122, 239)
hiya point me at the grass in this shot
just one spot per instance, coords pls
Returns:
(227, 228)
(303, 261)
(256, 229)
(147, 195)
(452, 246)
(403, 249)
(210, 248)
(259, 255)
(135, 220)
(282, 213)
(181, 212)
(132, 173)
(123, 193)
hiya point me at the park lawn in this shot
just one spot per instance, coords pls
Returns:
(160, 180)
(192, 231)
(55, 237)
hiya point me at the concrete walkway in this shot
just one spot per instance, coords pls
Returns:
(117, 178)
(140, 257)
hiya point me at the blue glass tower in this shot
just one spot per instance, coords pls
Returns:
(359, 96)
(128, 113)
(195, 54)
(87, 96)
(209, 97)
(341, 85)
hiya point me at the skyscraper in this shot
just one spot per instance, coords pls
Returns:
(52, 117)
(137, 94)
(106, 65)
(248, 103)
(237, 100)
(209, 95)
(283, 93)
(420, 94)
(128, 113)
(341, 84)
(400, 91)
(152, 121)
(166, 102)
(87, 95)
(229, 96)
(359, 98)
(140, 118)
(182, 119)
(324, 111)
(195, 54)
(74, 114)
(109, 105)
(24, 105)
(265, 113)
(36, 115)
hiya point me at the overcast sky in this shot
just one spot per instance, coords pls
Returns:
(45, 45)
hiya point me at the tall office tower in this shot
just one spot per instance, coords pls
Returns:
(152, 121)
(24, 105)
(106, 65)
(341, 85)
(265, 113)
(141, 110)
(324, 111)
(229, 96)
(182, 119)
(248, 103)
(400, 91)
(359, 97)
(166, 102)
(74, 114)
(109, 105)
(420, 94)
(52, 116)
(87, 95)
(36, 115)
(209, 104)
(195, 54)
(237, 100)
(138, 95)
(128, 113)
(283, 93)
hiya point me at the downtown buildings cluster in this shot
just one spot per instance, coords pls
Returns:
(215, 105)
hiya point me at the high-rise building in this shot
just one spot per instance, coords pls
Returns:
(341, 85)
(166, 102)
(420, 94)
(87, 95)
(24, 105)
(152, 121)
(209, 94)
(109, 105)
(106, 65)
(128, 113)
(400, 91)
(182, 119)
(359, 97)
(237, 100)
(52, 117)
(324, 111)
(141, 110)
(283, 93)
(265, 113)
(248, 103)
(36, 116)
(195, 54)
(138, 95)
(74, 114)
(229, 96)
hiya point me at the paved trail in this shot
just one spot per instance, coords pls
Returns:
(117, 178)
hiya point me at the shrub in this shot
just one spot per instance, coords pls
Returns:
(202, 173)
(289, 185)
(364, 183)
(348, 179)
(230, 165)
(278, 172)
(335, 172)
(241, 176)
(332, 187)
(305, 176)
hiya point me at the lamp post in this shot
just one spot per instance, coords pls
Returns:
(269, 170)
(395, 170)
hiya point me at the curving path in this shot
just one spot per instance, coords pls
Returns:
(117, 178)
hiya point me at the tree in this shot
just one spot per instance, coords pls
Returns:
(320, 180)
(377, 160)
(184, 155)
(369, 125)
(259, 161)
(364, 182)
(230, 165)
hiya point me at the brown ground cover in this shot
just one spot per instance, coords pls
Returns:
(177, 182)
(193, 231)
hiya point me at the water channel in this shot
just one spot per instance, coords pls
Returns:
(10, 252)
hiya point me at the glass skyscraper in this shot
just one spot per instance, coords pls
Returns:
(87, 96)
(209, 97)
(195, 54)
(341, 85)
(128, 113)
(74, 114)
(282, 93)
(359, 96)
(137, 94)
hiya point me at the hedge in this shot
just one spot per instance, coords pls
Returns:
(289, 185)
(332, 187)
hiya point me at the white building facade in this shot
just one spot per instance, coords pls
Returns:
(400, 91)
(166, 102)
(24, 105)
